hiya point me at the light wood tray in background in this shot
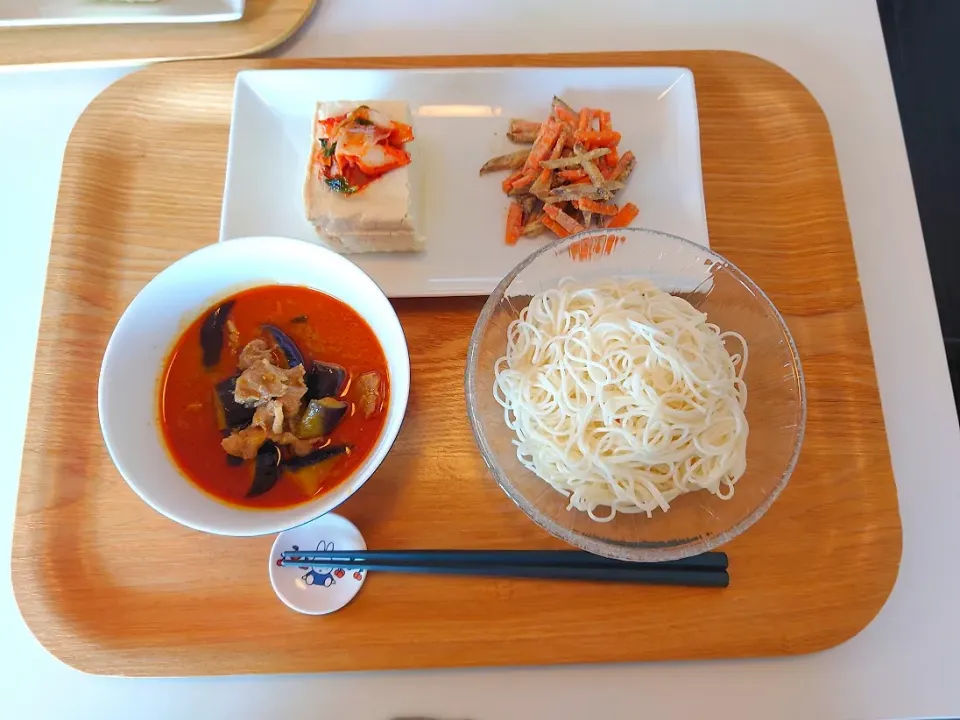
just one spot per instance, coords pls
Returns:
(265, 24)
(109, 586)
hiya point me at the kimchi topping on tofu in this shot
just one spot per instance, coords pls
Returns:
(567, 181)
(359, 146)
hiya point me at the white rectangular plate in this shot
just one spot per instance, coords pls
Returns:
(35, 13)
(460, 120)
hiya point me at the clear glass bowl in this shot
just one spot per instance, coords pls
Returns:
(776, 404)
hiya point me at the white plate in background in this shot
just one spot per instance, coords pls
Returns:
(36, 13)
(460, 119)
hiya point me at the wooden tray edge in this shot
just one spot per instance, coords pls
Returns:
(264, 46)
(22, 573)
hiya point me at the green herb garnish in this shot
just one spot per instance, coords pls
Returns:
(361, 120)
(328, 148)
(340, 185)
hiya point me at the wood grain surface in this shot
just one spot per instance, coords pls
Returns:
(265, 24)
(109, 586)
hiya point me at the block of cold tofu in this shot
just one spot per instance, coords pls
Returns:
(381, 215)
(348, 243)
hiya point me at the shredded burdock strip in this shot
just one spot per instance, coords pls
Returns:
(563, 112)
(533, 228)
(527, 137)
(521, 125)
(584, 190)
(510, 161)
(529, 204)
(575, 159)
(596, 177)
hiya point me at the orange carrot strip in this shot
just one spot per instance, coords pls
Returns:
(514, 223)
(623, 218)
(551, 210)
(599, 138)
(567, 222)
(624, 165)
(524, 180)
(588, 205)
(559, 144)
(510, 179)
(543, 180)
(572, 175)
(583, 122)
(612, 158)
(605, 121)
(549, 132)
(553, 225)
(564, 115)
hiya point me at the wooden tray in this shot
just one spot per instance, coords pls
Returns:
(109, 586)
(265, 24)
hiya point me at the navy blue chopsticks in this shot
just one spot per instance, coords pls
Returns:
(706, 570)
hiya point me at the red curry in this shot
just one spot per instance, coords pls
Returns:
(273, 396)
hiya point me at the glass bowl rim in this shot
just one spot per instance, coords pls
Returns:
(591, 544)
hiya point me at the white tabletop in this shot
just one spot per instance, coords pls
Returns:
(903, 664)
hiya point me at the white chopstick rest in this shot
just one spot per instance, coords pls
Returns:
(314, 590)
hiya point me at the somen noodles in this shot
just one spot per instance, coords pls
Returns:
(624, 397)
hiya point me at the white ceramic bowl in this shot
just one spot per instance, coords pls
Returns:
(147, 331)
